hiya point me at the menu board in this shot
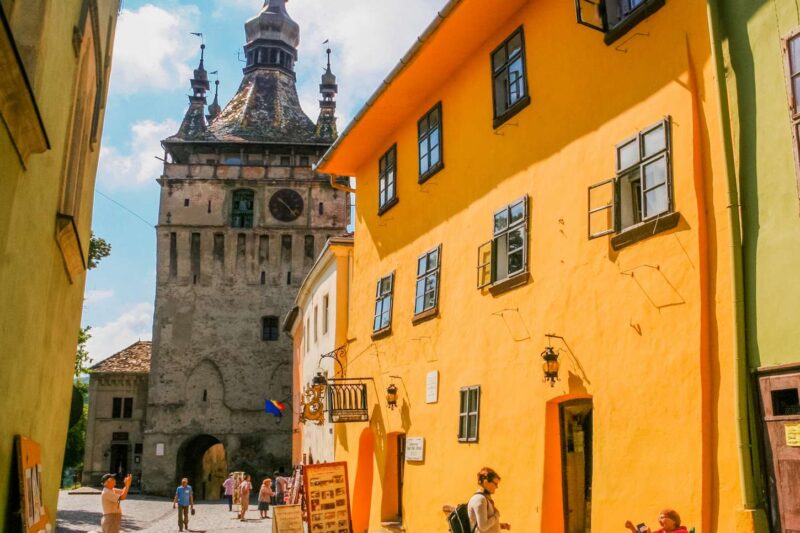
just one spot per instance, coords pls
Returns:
(34, 516)
(327, 497)
(287, 519)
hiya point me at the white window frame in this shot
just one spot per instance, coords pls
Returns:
(428, 273)
(489, 253)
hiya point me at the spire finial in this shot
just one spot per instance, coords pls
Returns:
(202, 54)
(329, 58)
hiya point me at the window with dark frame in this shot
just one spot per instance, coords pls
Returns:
(427, 293)
(383, 304)
(509, 81)
(506, 255)
(791, 48)
(325, 307)
(269, 328)
(387, 176)
(469, 413)
(642, 188)
(615, 17)
(429, 130)
(242, 209)
(122, 407)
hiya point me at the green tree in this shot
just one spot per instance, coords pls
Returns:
(98, 249)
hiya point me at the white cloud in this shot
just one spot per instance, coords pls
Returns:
(97, 295)
(139, 166)
(152, 48)
(136, 323)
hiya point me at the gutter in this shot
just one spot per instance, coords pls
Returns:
(395, 72)
(741, 388)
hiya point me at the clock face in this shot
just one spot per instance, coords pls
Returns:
(286, 205)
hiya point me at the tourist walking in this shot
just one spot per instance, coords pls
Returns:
(281, 482)
(484, 517)
(668, 519)
(111, 498)
(244, 495)
(228, 486)
(184, 499)
(264, 497)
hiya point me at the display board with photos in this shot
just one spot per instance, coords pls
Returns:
(327, 498)
(287, 519)
(29, 463)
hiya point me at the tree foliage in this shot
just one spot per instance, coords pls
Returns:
(98, 249)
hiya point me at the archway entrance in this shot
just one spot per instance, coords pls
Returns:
(202, 460)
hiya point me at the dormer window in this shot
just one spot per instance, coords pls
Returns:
(615, 18)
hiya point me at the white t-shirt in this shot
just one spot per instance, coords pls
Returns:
(483, 514)
(110, 499)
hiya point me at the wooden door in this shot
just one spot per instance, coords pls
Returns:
(401, 466)
(780, 401)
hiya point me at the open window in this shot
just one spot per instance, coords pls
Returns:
(382, 321)
(614, 17)
(641, 192)
(505, 257)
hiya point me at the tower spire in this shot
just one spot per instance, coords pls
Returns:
(214, 109)
(194, 122)
(326, 124)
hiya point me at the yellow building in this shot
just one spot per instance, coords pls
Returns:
(477, 251)
(55, 60)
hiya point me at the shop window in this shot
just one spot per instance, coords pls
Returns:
(387, 177)
(382, 321)
(469, 414)
(505, 257)
(242, 212)
(429, 130)
(509, 81)
(269, 328)
(427, 293)
(637, 202)
(615, 18)
(785, 402)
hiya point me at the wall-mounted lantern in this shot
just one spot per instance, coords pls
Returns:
(550, 365)
(391, 396)
(319, 379)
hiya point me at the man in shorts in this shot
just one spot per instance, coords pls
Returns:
(111, 498)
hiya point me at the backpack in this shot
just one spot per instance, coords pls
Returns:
(459, 520)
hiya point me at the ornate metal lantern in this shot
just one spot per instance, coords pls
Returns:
(319, 379)
(391, 396)
(550, 365)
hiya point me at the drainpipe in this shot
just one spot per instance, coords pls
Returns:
(339, 186)
(743, 440)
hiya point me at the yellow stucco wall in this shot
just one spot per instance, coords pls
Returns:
(647, 329)
(42, 308)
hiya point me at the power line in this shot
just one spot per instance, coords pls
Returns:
(107, 197)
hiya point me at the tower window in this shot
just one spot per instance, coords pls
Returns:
(242, 212)
(286, 161)
(269, 328)
(309, 246)
(304, 161)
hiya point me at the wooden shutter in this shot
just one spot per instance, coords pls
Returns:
(592, 14)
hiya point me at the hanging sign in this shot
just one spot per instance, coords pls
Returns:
(432, 387)
(347, 402)
(328, 500)
(415, 449)
(287, 519)
(792, 435)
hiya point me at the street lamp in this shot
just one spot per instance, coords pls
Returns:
(319, 379)
(391, 396)
(550, 365)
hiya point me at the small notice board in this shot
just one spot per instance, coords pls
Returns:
(792, 435)
(327, 497)
(29, 462)
(287, 519)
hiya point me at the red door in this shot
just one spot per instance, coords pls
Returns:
(780, 400)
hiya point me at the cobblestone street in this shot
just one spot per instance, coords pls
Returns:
(82, 512)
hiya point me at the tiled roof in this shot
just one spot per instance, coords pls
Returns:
(134, 359)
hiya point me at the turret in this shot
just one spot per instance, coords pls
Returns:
(326, 124)
(272, 39)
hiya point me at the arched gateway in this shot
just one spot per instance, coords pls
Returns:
(202, 460)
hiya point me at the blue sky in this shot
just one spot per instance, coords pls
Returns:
(154, 54)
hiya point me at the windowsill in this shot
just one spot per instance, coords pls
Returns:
(467, 441)
(388, 205)
(627, 24)
(425, 315)
(505, 285)
(431, 171)
(643, 230)
(381, 333)
(518, 106)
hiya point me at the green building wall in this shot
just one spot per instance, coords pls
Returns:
(41, 305)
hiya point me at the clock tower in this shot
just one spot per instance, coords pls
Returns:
(242, 218)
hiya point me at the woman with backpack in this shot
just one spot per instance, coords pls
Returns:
(484, 517)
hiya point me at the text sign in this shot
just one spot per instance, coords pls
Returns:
(327, 496)
(159, 449)
(432, 387)
(792, 435)
(415, 449)
(287, 519)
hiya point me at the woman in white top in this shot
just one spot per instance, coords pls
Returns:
(484, 517)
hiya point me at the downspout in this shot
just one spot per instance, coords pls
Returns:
(743, 440)
(339, 186)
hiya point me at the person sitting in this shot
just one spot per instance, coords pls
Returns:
(669, 520)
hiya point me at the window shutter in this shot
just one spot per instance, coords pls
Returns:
(486, 252)
(602, 208)
(592, 14)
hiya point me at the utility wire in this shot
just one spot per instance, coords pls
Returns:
(107, 197)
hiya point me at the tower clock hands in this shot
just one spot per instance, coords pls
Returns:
(292, 211)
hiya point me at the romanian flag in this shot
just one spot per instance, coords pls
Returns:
(273, 407)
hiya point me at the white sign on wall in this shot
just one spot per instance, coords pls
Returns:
(159, 449)
(415, 449)
(432, 387)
